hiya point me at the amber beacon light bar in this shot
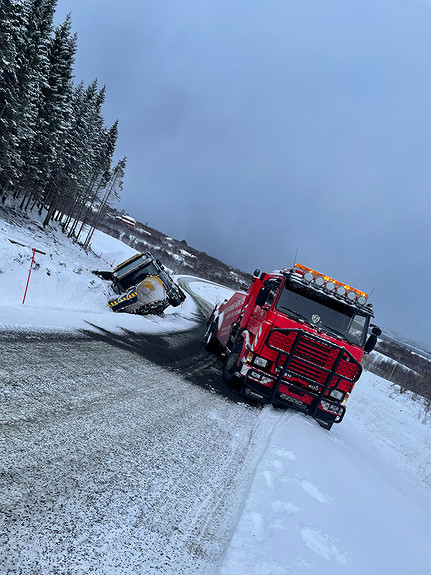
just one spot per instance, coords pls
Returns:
(353, 295)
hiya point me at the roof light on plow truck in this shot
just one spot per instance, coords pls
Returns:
(320, 281)
(351, 295)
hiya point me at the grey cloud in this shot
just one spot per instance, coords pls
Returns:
(255, 128)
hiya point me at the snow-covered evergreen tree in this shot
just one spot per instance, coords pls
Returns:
(55, 112)
(32, 76)
(112, 190)
(12, 28)
(55, 150)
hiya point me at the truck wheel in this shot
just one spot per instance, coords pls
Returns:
(325, 424)
(232, 366)
(176, 297)
(211, 343)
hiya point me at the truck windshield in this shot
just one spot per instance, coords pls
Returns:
(323, 312)
(134, 272)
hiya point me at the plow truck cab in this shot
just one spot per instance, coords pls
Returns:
(296, 338)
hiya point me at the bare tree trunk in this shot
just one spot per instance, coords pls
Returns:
(97, 218)
(91, 183)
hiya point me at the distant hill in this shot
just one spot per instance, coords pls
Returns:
(401, 363)
(414, 346)
(174, 254)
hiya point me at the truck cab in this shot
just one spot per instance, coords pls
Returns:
(296, 338)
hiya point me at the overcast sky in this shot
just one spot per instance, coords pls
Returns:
(256, 128)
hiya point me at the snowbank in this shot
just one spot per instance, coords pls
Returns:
(63, 293)
(352, 501)
(212, 293)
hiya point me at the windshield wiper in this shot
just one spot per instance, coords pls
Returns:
(297, 315)
(335, 332)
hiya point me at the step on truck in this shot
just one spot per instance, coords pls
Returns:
(296, 339)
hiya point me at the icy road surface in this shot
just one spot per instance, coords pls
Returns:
(115, 464)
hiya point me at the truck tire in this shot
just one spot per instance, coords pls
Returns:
(232, 366)
(211, 343)
(176, 296)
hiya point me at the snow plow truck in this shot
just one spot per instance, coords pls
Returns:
(296, 338)
(142, 286)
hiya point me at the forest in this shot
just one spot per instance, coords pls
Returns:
(56, 154)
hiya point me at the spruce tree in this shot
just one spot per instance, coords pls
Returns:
(32, 76)
(54, 116)
(112, 191)
(12, 27)
(55, 150)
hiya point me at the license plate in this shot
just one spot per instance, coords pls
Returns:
(293, 400)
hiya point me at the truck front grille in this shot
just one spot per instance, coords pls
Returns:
(312, 358)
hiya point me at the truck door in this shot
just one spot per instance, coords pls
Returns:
(260, 312)
(257, 316)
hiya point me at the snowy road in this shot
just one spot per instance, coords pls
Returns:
(115, 464)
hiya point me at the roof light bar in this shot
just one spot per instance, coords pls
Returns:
(330, 284)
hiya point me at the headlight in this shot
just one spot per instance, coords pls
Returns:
(362, 300)
(331, 407)
(258, 376)
(319, 281)
(330, 286)
(341, 290)
(308, 277)
(351, 296)
(260, 361)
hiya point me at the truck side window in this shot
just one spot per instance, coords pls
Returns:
(357, 325)
(273, 286)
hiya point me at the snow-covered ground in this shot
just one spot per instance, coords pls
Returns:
(353, 501)
(356, 500)
(62, 293)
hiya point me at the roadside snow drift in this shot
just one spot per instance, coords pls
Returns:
(353, 501)
(62, 293)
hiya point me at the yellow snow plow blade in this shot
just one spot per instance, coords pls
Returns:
(147, 297)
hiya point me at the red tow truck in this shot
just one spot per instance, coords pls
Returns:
(296, 339)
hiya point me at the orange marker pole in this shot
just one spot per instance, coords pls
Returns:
(29, 272)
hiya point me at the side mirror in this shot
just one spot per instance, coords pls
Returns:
(261, 296)
(376, 330)
(372, 339)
